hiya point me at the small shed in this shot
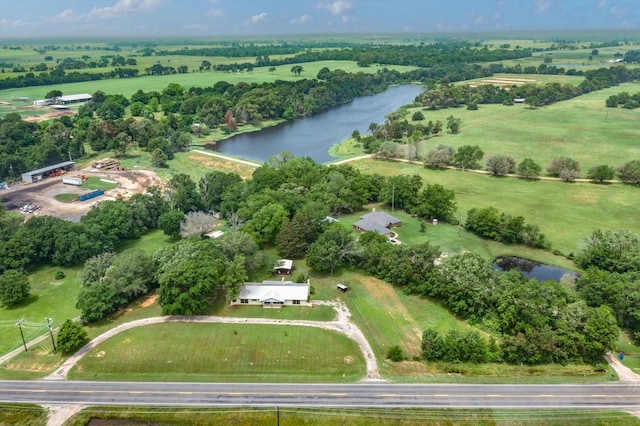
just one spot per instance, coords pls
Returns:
(283, 267)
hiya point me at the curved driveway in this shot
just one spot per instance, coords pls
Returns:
(342, 325)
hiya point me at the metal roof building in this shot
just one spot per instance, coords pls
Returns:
(38, 174)
(273, 294)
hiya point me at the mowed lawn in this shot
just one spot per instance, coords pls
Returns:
(582, 128)
(566, 213)
(224, 353)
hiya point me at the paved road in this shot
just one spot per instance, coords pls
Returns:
(616, 395)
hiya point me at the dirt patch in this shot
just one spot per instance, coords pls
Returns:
(48, 116)
(222, 165)
(42, 194)
(149, 301)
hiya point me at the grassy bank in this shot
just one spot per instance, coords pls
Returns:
(357, 417)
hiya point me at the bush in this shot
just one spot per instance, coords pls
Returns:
(71, 337)
(395, 353)
(59, 275)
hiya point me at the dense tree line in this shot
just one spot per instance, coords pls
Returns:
(491, 224)
(60, 76)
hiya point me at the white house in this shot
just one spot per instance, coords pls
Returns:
(274, 294)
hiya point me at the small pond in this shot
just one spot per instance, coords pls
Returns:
(532, 269)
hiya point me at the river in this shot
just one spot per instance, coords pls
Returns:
(313, 136)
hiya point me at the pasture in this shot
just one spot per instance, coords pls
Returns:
(224, 353)
(565, 212)
(128, 86)
(582, 128)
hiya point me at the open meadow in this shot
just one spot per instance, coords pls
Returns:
(582, 128)
(226, 353)
(566, 213)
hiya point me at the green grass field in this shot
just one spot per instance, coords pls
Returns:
(289, 416)
(225, 353)
(22, 414)
(582, 128)
(129, 86)
(49, 298)
(566, 213)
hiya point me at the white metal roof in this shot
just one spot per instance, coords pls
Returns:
(284, 264)
(275, 290)
(72, 98)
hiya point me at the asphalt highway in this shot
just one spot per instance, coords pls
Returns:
(614, 395)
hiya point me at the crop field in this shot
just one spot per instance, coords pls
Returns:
(226, 353)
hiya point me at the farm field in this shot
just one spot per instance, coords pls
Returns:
(566, 213)
(227, 353)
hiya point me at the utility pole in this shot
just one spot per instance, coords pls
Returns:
(278, 415)
(19, 324)
(49, 322)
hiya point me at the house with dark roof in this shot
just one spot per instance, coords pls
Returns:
(380, 222)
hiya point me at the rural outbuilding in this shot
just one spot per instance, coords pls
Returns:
(380, 222)
(283, 267)
(38, 174)
(274, 294)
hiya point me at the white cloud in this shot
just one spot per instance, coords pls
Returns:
(255, 19)
(125, 7)
(618, 12)
(301, 20)
(479, 20)
(602, 3)
(339, 7)
(14, 23)
(67, 15)
(540, 6)
(214, 13)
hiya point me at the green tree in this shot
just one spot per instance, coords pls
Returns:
(297, 69)
(601, 173)
(295, 236)
(467, 157)
(436, 202)
(182, 193)
(14, 287)
(395, 353)
(417, 116)
(265, 224)
(170, 222)
(613, 251)
(529, 169)
(432, 345)
(323, 255)
(53, 94)
(71, 337)
(453, 124)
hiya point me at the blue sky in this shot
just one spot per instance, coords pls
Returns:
(216, 18)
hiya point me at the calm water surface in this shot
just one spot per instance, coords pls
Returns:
(532, 269)
(313, 136)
